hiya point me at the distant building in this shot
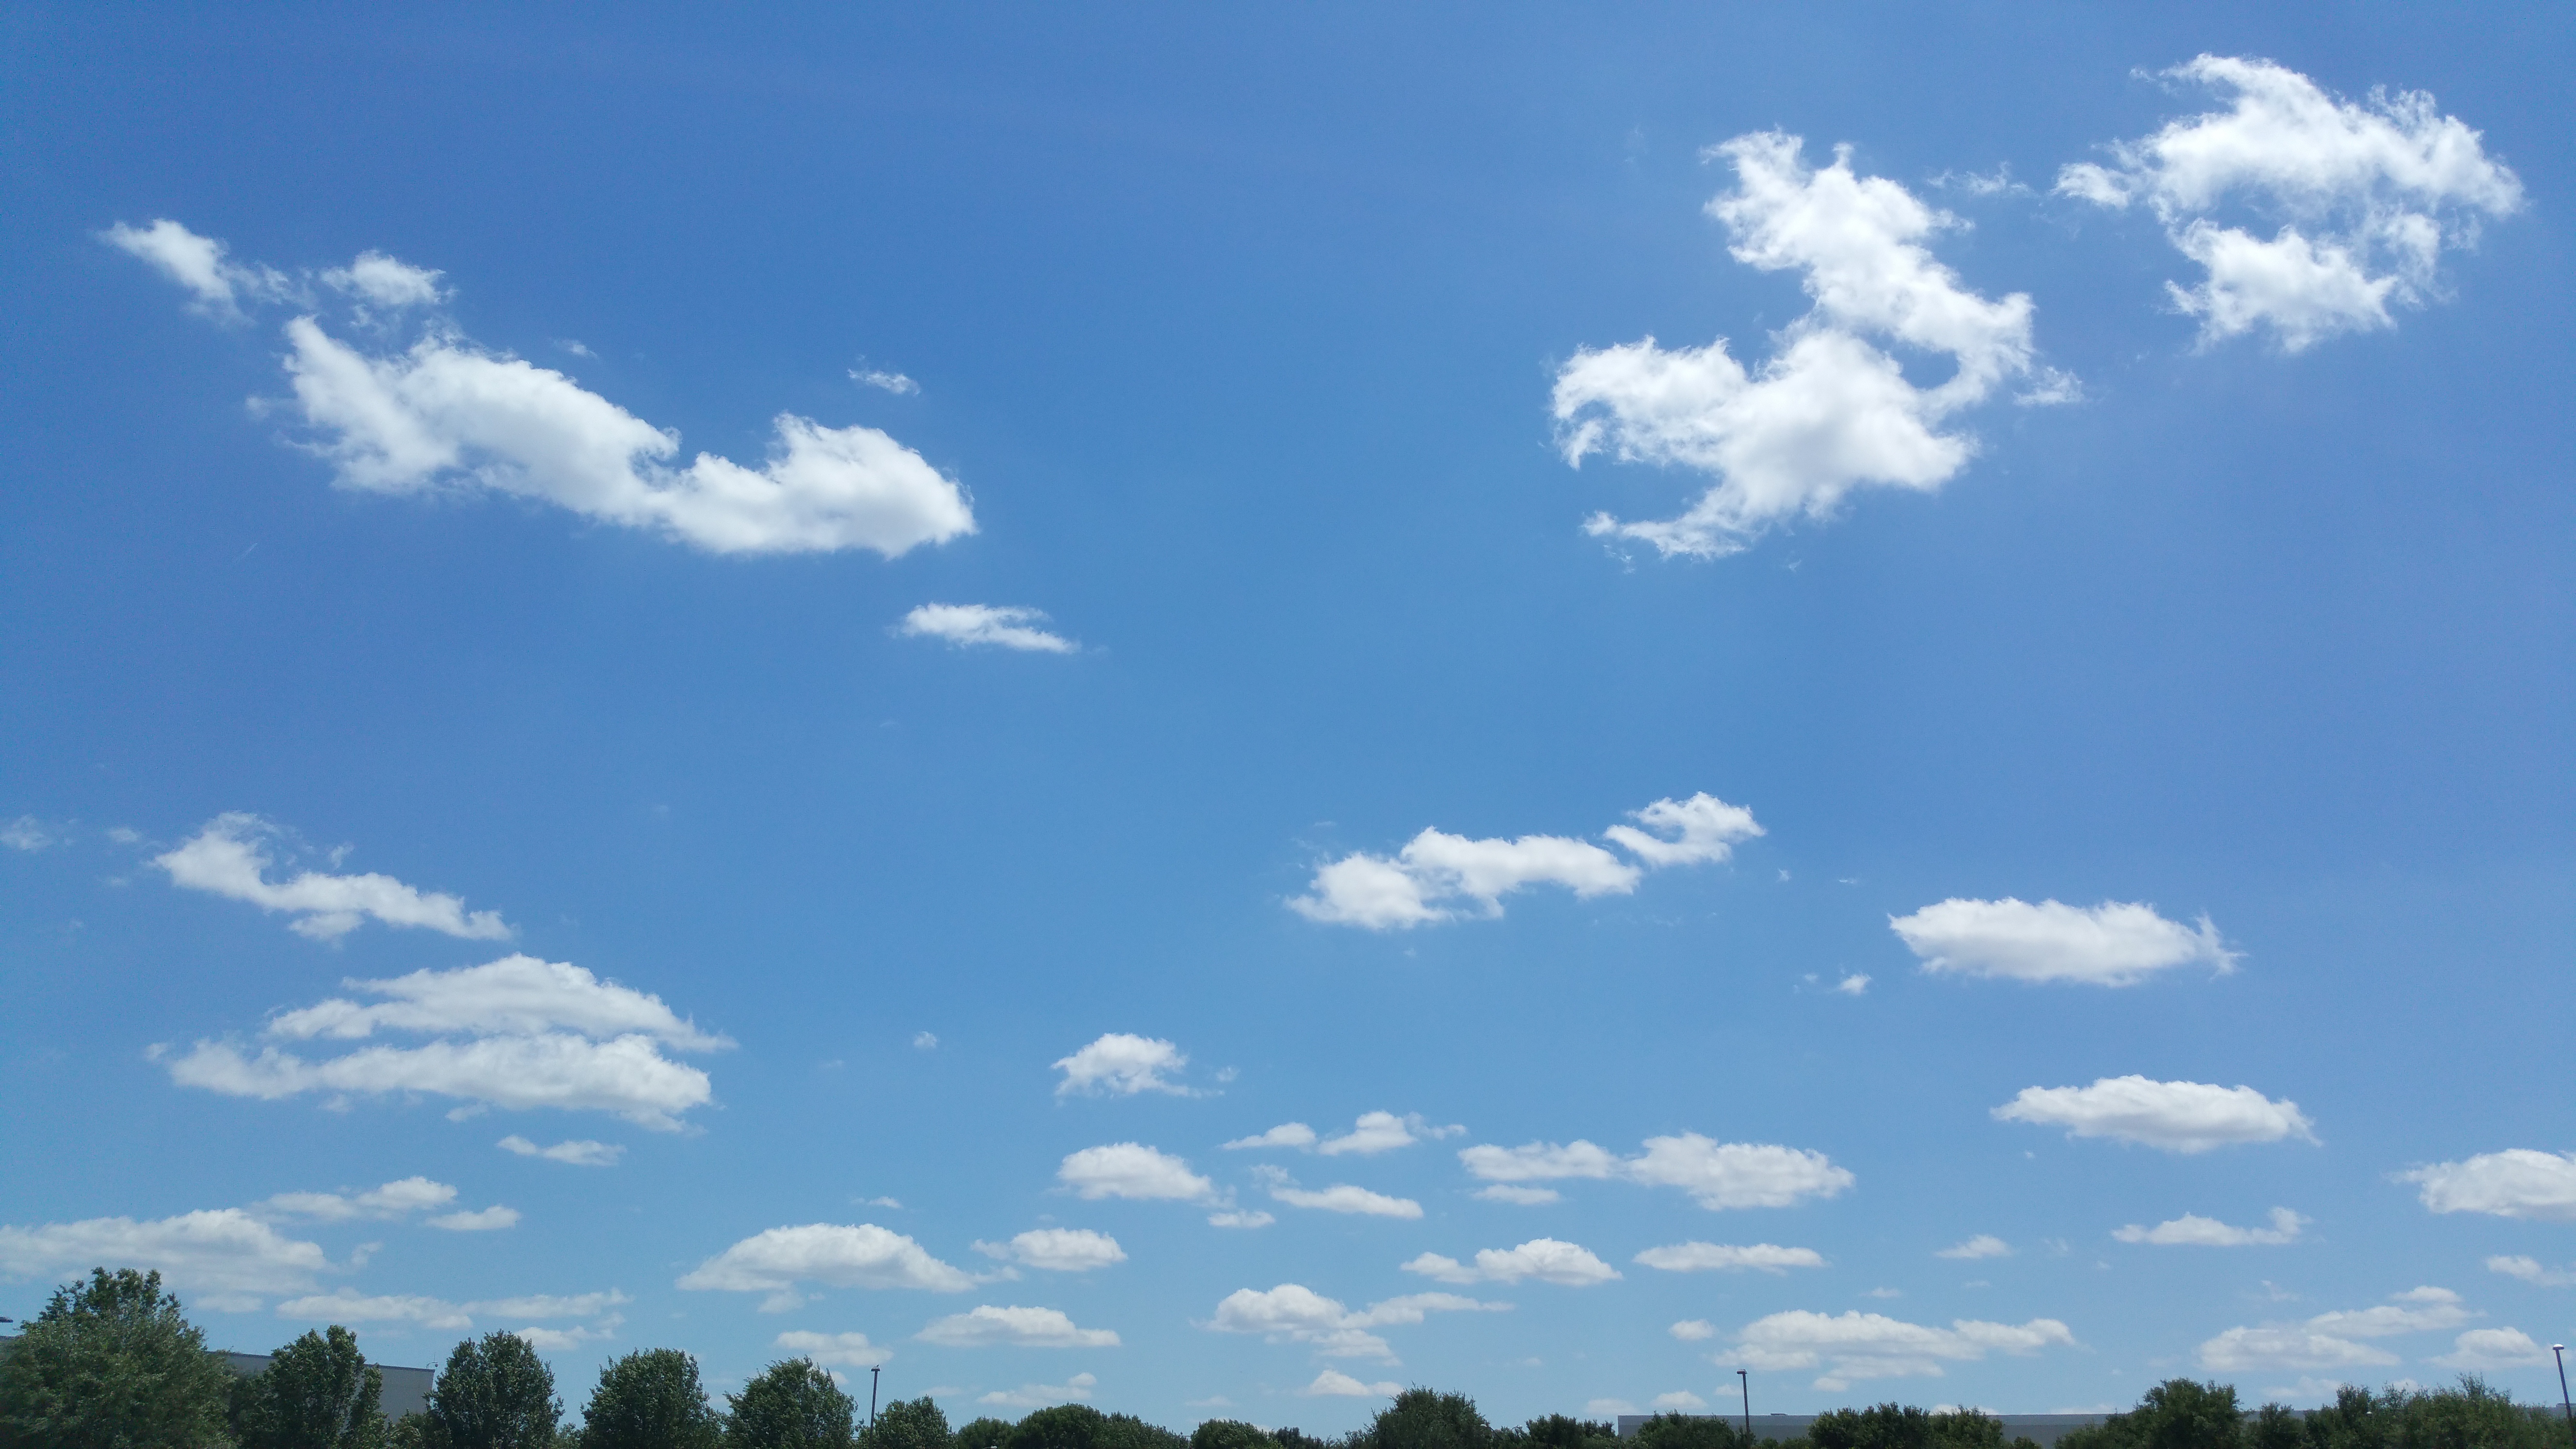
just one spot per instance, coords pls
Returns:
(2043, 1429)
(406, 1389)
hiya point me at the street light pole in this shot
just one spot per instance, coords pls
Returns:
(1746, 1385)
(2564, 1406)
(874, 1369)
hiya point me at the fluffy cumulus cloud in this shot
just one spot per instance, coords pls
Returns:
(446, 414)
(2174, 1116)
(837, 1255)
(1716, 1174)
(835, 1350)
(991, 626)
(2364, 197)
(1294, 1313)
(2332, 1341)
(515, 1033)
(1852, 1346)
(228, 1255)
(1377, 1132)
(2193, 1230)
(1983, 1245)
(576, 1152)
(1132, 1170)
(1060, 1250)
(393, 1200)
(1121, 1065)
(2516, 1183)
(1341, 1197)
(1698, 1257)
(987, 1327)
(1548, 1260)
(2533, 1271)
(1832, 409)
(1437, 876)
(2485, 1350)
(1332, 1383)
(229, 857)
(1286, 1134)
(2112, 944)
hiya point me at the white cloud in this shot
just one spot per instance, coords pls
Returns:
(2530, 1270)
(1062, 1250)
(1693, 1330)
(1377, 1132)
(1983, 1245)
(2193, 1230)
(2483, 1350)
(490, 1219)
(987, 1326)
(1855, 1345)
(925, 1041)
(2417, 1310)
(2366, 196)
(1251, 1218)
(2515, 1183)
(1437, 875)
(1341, 1197)
(347, 1305)
(1856, 984)
(835, 1350)
(230, 858)
(1679, 1401)
(1286, 1134)
(387, 282)
(393, 1200)
(577, 1152)
(1716, 1174)
(1549, 1260)
(1524, 1196)
(514, 995)
(836, 1254)
(25, 833)
(2175, 1116)
(883, 381)
(997, 625)
(2328, 1341)
(1333, 1383)
(1132, 1170)
(1120, 1065)
(2113, 944)
(1829, 411)
(197, 263)
(564, 1340)
(1038, 1396)
(1293, 1313)
(1699, 1257)
(224, 1251)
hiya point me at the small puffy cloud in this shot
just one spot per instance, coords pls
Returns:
(1061, 1250)
(26, 833)
(229, 857)
(838, 1255)
(1132, 1170)
(1522, 1196)
(1341, 1197)
(2330, 1340)
(835, 1350)
(884, 381)
(516, 994)
(490, 1219)
(987, 1326)
(216, 284)
(925, 1041)
(388, 283)
(1121, 1065)
(1294, 1313)
(1983, 1245)
(225, 1252)
(1548, 1260)
(1831, 410)
(995, 626)
(565, 1340)
(2112, 944)
(2531, 1270)
(1698, 1257)
(1716, 1174)
(1852, 1346)
(2175, 1116)
(1333, 1383)
(2193, 1230)
(1437, 876)
(2516, 1183)
(1286, 1134)
(1679, 1401)
(1377, 1132)
(1038, 1396)
(1248, 1218)
(393, 1200)
(2484, 1350)
(1856, 984)
(2365, 196)
(577, 1152)
(1693, 1330)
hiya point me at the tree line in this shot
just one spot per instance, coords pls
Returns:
(113, 1363)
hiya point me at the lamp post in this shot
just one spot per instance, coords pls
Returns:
(874, 1369)
(1745, 1385)
(2564, 1406)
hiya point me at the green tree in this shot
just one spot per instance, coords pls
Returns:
(984, 1433)
(792, 1404)
(908, 1424)
(2175, 1414)
(494, 1393)
(316, 1393)
(1126, 1431)
(1231, 1434)
(1685, 1431)
(1066, 1426)
(650, 1399)
(113, 1364)
(1427, 1419)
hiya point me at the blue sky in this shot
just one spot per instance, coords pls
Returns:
(748, 683)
